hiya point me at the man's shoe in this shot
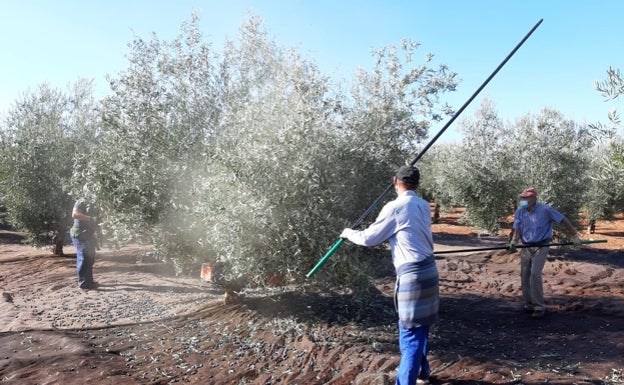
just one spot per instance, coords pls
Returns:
(90, 286)
(424, 380)
(538, 313)
(528, 308)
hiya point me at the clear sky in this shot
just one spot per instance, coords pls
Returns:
(60, 41)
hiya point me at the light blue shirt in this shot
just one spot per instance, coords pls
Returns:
(536, 225)
(406, 223)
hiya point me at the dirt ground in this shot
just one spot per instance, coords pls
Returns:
(147, 326)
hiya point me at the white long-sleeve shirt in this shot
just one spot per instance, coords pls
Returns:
(406, 224)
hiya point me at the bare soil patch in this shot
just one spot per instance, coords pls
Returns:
(147, 326)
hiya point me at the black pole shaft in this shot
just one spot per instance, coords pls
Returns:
(501, 65)
(517, 247)
(447, 125)
(422, 152)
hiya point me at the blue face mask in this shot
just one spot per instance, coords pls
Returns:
(524, 204)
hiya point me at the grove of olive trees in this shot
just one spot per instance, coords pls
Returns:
(248, 154)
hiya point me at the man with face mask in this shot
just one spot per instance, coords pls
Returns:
(533, 227)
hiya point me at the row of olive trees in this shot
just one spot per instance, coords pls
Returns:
(249, 156)
(495, 161)
(568, 163)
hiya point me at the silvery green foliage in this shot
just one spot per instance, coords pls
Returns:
(295, 162)
(552, 154)
(252, 158)
(163, 109)
(389, 109)
(484, 169)
(606, 193)
(276, 179)
(497, 160)
(612, 88)
(43, 133)
(437, 176)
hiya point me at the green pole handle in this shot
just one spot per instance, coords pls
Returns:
(325, 258)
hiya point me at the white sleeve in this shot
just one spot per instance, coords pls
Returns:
(383, 228)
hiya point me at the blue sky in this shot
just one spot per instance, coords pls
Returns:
(58, 42)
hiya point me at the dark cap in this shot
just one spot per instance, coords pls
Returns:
(409, 175)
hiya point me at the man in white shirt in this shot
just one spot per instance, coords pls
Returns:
(406, 224)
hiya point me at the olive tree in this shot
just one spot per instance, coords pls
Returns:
(496, 161)
(162, 110)
(552, 154)
(44, 132)
(606, 194)
(482, 172)
(437, 177)
(389, 110)
(252, 157)
(385, 117)
(294, 162)
(255, 202)
(605, 197)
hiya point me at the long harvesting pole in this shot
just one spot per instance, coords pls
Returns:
(517, 247)
(372, 207)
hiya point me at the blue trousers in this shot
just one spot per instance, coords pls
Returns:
(414, 364)
(85, 258)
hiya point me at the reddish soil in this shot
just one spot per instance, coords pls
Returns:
(147, 326)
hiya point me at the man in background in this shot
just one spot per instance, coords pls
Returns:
(83, 235)
(533, 226)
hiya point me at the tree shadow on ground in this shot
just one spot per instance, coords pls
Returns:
(11, 237)
(487, 329)
(149, 288)
(469, 241)
(131, 262)
(497, 329)
(614, 258)
(369, 309)
(609, 233)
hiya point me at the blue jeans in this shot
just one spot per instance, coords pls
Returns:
(414, 364)
(85, 258)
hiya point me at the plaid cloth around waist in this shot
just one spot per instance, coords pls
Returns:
(416, 293)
